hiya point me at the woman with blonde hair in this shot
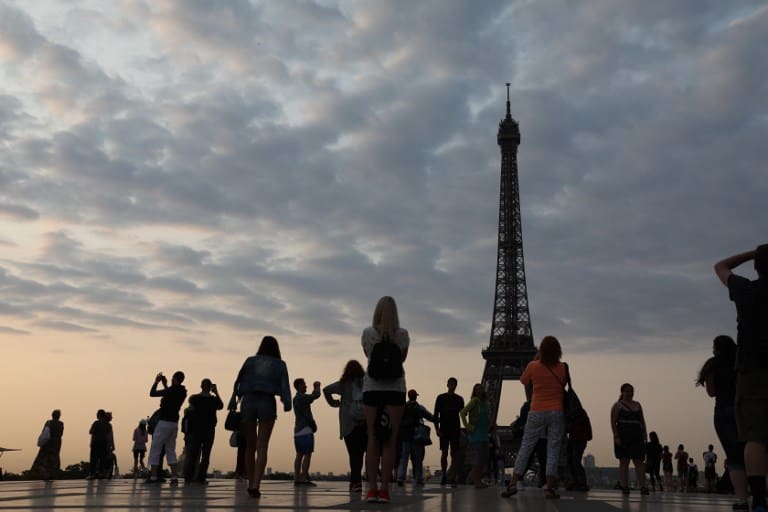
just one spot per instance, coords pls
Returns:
(385, 345)
(548, 376)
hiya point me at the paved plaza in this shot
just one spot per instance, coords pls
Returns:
(281, 496)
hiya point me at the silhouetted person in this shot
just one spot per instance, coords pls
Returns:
(201, 431)
(101, 437)
(718, 376)
(140, 440)
(751, 299)
(167, 429)
(48, 462)
(629, 437)
(412, 447)
(304, 430)
(261, 377)
(352, 428)
(448, 428)
(385, 345)
(653, 451)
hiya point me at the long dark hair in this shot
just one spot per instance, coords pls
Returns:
(269, 347)
(352, 371)
(478, 390)
(724, 358)
(654, 437)
(550, 351)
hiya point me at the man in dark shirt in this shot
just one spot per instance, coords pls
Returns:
(751, 299)
(201, 431)
(448, 428)
(167, 428)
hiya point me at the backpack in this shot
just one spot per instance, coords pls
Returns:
(386, 361)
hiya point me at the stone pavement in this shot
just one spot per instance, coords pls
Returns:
(331, 496)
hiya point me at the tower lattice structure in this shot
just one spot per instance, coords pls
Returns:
(511, 345)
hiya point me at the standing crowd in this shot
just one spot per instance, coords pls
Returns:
(383, 425)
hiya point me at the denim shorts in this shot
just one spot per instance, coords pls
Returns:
(258, 407)
(304, 444)
(383, 398)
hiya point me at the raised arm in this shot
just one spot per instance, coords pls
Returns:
(724, 267)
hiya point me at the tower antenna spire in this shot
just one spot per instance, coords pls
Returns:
(509, 113)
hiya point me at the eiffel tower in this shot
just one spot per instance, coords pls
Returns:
(511, 346)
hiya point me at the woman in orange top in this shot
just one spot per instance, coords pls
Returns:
(548, 376)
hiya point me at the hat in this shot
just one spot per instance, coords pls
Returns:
(412, 394)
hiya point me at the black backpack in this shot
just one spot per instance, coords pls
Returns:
(386, 361)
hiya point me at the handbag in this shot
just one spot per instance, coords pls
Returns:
(421, 434)
(233, 420)
(313, 425)
(571, 402)
(44, 436)
(233, 440)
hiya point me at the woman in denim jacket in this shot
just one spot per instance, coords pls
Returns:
(261, 378)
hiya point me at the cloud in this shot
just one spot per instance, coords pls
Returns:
(277, 168)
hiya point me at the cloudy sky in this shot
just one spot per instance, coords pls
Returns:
(180, 178)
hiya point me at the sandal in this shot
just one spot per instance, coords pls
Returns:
(254, 493)
(510, 491)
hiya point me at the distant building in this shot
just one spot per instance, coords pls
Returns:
(269, 471)
(589, 461)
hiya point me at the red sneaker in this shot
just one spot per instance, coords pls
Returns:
(383, 496)
(373, 495)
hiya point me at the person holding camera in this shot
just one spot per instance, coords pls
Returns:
(172, 398)
(201, 431)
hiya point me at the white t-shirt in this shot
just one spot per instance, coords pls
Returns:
(710, 458)
(369, 339)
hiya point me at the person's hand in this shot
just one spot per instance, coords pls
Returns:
(316, 384)
(159, 377)
(286, 407)
(616, 440)
(214, 389)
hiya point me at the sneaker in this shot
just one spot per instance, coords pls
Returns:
(310, 483)
(400, 483)
(174, 482)
(372, 496)
(356, 487)
(644, 491)
(383, 496)
(443, 481)
(151, 480)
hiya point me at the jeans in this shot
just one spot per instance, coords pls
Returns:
(553, 422)
(198, 455)
(356, 442)
(725, 426)
(416, 453)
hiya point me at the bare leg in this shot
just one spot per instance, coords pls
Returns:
(640, 470)
(248, 429)
(624, 472)
(372, 452)
(305, 466)
(297, 468)
(262, 444)
(739, 481)
(388, 450)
